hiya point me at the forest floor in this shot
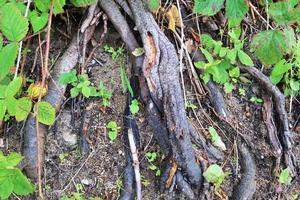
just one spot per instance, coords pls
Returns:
(98, 171)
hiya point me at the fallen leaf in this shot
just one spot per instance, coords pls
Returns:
(35, 89)
(174, 18)
(171, 174)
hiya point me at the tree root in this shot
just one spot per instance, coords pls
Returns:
(283, 117)
(55, 98)
(245, 189)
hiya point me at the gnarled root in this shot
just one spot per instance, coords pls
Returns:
(55, 97)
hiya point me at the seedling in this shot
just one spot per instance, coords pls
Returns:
(113, 130)
(256, 100)
(134, 107)
(151, 157)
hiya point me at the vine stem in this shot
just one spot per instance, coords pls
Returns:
(21, 43)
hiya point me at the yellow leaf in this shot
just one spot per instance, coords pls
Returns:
(35, 89)
(174, 18)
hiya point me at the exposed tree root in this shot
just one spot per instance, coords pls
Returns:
(55, 97)
(245, 189)
(283, 117)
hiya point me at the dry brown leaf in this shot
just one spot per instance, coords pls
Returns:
(171, 174)
(173, 17)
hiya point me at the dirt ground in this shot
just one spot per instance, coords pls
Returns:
(98, 173)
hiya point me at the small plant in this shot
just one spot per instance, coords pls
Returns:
(256, 100)
(151, 157)
(81, 85)
(215, 175)
(113, 130)
(12, 179)
(76, 195)
(285, 177)
(134, 107)
(145, 181)
(62, 157)
(115, 53)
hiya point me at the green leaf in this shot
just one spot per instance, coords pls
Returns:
(8, 55)
(153, 4)
(13, 24)
(58, 6)
(295, 85)
(219, 71)
(45, 112)
(207, 7)
(2, 2)
(216, 139)
(234, 72)
(13, 87)
(11, 160)
(86, 91)
(11, 103)
(134, 107)
(283, 12)
(214, 174)
(125, 81)
(207, 55)
(112, 135)
(285, 177)
(279, 70)
(228, 87)
(67, 77)
(235, 11)
(42, 5)
(112, 125)
(22, 186)
(2, 109)
(6, 187)
(138, 52)
(74, 92)
(23, 108)
(37, 20)
(269, 46)
(1, 42)
(82, 3)
(231, 55)
(244, 58)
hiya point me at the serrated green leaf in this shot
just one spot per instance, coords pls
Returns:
(23, 108)
(42, 5)
(74, 92)
(58, 6)
(8, 55)
(112, 125)
(236, 11)
(283, 12)
(153, 4)
(22, 186)
(45, 112)
(82, 3)
(11, 160)
(244, 58)
(295, 85)
(231, 55)
(269, 46)
(37, 20)
(219, 72)
(13, 87)
(67, 77)
(13, 24)
(6, 187)
(207, 7)
(228, 87)
(112, 135)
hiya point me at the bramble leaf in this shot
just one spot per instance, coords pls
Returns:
(58, 6)
(37, 20)
(45, 112)
(236, 11)
(23, 108)
(42, 5)
(269, 46)
(283, 12)
(13, 24)
(207, 7)
(8, 55)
